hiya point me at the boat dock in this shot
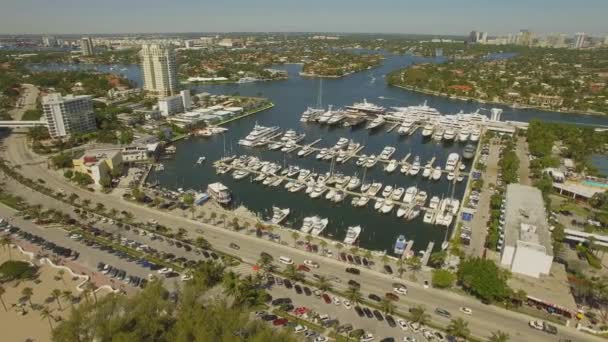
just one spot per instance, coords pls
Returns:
(432, 161)
(427, 253)
(408, 248)
(390, 129)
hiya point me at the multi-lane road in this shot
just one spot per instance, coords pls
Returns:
(485, 318)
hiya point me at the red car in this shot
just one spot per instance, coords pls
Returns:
(280, 321)
(326, 298)
(303, 268)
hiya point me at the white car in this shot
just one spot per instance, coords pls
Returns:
(426, 284)
(403, 324)
(337, 301)
(538, 325)
(165, 270)
(347, 304)
(415, 326)
(311, 263)
(186, 277)
(466, 310)
(321, 339)
(300, 329)
(367, 337)
(400, 290)
(409, 339)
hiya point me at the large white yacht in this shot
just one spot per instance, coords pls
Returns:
(377, 122)
(219, 192)
(464, 134)
(278, 215)
(453, 159)
(387, 152)
(366, 107)
(449, 134)
(475, 133)
(352, 235)
(410, 195)
(311, 114)
(319, 225)
(428, 129)
(257, 135)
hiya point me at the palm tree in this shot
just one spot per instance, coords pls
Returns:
(231, 283)
(323, 245)
(86, 202)
(92, 288)
(459, 328)
(100, 207)
(419, 314)
(353, 295)
(213, 216)
(415, 265)
(2, 291)
(235, 223)
(60, 274)
(265, 262)
(354, 250)
(385, 260)
(308, 238)
(223, 218)
(499, 336)
(6, 241)
(400, 266)
(291, 272)
(56, 293)
(323, 284)
(67, 295)
(27, 293)
(46, 314)
(113, 213)
(387, 305)
(295, 236)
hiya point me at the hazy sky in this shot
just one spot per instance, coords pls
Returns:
(396, 16)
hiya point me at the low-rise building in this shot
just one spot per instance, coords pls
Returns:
(527, 245)
(546, 100)
(99, 164)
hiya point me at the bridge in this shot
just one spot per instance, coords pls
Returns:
(22, 124)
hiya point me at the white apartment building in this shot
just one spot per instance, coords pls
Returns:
(159, 67)
(171, 105)
(68, 114)
(579, 40)
(86, 46)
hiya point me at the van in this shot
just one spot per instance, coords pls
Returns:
(286, 260)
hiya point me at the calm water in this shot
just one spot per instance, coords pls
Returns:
(291, 98)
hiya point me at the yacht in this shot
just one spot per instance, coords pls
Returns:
(240, 174)
(297, 187)
(336, 118)
(391, 166)
(366, 107)
(342, 156)
(449, 134)
(319, 226)
(400, 245)
(415, 168)
(452, 161)
(397, 193)
(201, 160)
(451, 175)
(219, 192)
(318, 190)
(374, 189)
(353, 183)
(278, 215)
(475, 134)
(387, 207)
(323, 118)
(341, 144)
(464, 134)
(436, 175)
(362, 159)
(311, 114)
(438, 135)
(410, 195)
(427, 131)
(377, 122)
(258, 134)
(322, 153)
(379, 203)
(468, 152)
(352, 235)
(289, 135)
(388, 190)
(415, 212)
(428, 170)
(371, 161)
(363, 200)
(307, 224)
(387, 152)
(434, 203)
(406, 127)
(421, 198)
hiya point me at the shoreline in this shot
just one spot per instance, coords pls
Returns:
(464, 98)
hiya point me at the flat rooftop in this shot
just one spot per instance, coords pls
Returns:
(525, 219)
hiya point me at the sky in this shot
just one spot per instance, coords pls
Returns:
(456, 17)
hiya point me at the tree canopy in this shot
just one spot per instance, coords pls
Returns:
(483, 279)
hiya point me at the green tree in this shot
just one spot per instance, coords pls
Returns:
(483, 278)
(354, 295)
(443, 279)
(419, 315)
(68, 296)
(323, 284)
(459, 327)
(6, 242)
(2, 292)
(27, 293)
(415, 264)
(295, 236)
(387, 306)
(291, 272)
(56, 294)
(45, 313)
(499, 336)
(265, 262)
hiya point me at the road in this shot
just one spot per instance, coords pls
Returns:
(521, 150)
(28, 101)
(485, 319)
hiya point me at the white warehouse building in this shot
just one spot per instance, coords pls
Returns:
(527, 245)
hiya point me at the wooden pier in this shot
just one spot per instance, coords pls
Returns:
(408, 248)
(427, 253)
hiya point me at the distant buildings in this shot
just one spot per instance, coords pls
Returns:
(579, 40)
(526, 246)
(172, 105)
(99, 165)
(68, 114)
(49, 41)
(159, 67)
(525, 38)
(86, 46)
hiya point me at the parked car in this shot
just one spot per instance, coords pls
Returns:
(443, 312)
(353, 270)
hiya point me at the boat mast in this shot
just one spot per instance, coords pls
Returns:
(320, 95)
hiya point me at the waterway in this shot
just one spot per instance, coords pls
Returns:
(291, 97)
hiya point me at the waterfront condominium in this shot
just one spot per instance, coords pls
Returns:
(160, 70)
(86, 46)
(66, 115)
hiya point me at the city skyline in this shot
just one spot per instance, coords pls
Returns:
(439, 17)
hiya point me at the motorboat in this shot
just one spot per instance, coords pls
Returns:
(464, 134)
(450, 164)
(365, 187)
(289, 135)
(361, 160)
(415, 168)
(428, 217)
(363, 200)
(462, 167)
(304, 174)
(278, 215)
(311, 114)
(415, 212)
(374, 189)
(387, 152)
(322, 153)
(277, 181)
(449, 134)
(391, 166)
(297, 187)
(336, 118)
(330, 194)
(377, 122)
(341, 144)
(260, 177)
(354, 201)
(379, 203)
(387, 207)
(323, 118)
(460, 177)
(342, 156)
(405, 169)
(428, 129)
(240, 174)
(406, 127)
(258, 134)
(401, 211)
(475, 134)
(318, 190)
(293, 170)
(451, 175)
(352, 235)
(219, 192)
(438, 134)
(289, 146)
(400, 244)
(371, 161)
(410, 195)
(353, 183)
(397, 193)
(306, 150)
(339, 196)
(319, 226)
(201, 160)
(436, 175)
(427, 171)
(434, 203)
(468, 152)
(307, 224)
(388, 190)
(421, 198)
